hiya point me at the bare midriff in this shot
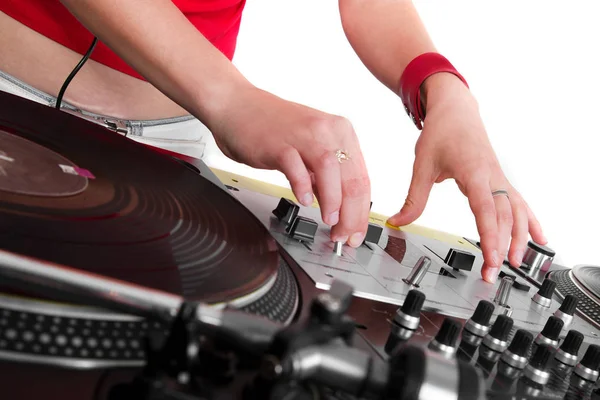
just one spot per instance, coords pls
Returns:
(45, 64)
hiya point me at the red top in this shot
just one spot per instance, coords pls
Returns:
(218, 20)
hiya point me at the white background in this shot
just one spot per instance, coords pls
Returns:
(532, 64)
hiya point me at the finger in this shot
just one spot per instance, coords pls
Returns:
(356, 198)
(292, 166)
(418, 194)
(326, 169)
(519, 231)
(504, 220)
(483, 207)
(535, 229)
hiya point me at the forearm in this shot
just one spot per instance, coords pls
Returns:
(158, 41)
(386, 35)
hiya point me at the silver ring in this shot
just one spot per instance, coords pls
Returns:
(500, 192)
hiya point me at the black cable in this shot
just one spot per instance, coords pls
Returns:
(63, 89)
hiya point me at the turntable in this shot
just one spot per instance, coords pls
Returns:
(75, 195)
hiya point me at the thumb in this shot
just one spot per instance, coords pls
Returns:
(418, 193)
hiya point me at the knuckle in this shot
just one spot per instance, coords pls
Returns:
(326, 160)
(505, 217)
(356, 187)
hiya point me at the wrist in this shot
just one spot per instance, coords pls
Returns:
(413, 83)
(441, 87)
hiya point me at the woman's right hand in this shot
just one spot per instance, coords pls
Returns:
(264, 131)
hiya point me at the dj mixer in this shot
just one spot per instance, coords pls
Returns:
(154, 277)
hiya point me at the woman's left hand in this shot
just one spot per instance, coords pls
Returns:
(454, 145)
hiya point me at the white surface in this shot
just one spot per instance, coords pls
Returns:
(533, 66)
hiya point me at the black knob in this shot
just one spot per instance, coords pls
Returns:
(413, 303)
(541, 357)
(303, 229)
(591, 359)
(552, 328)
(374, 232)
(547, 289)
(460, 259)
(286, 211)
(483, 313)
(501, 328)
(569, 304)
(448, 333)
(521, 343)
(572, 342)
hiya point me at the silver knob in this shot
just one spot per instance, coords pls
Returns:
(337, 248)
(418, 272)
(503, 292)
(538, 257)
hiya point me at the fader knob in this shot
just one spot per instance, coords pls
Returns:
(537, 370)
(446, 338)
(567, 353)
(588, 367)
(497, 339)
(567, 309)
(479, 322)
(373, 234)
(286, 211)
(303, 229)
(406, 320)
(549, 335)
(418, 272)
(516, 354)
(503, 292)
(544, 296)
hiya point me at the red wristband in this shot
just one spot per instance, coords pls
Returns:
(415, 73)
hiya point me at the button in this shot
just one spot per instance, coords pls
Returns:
(459, 259)
(303, 229)
(286, 211)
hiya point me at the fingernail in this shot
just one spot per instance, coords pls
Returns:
(307, 199)
(495, 259)
(334, 217)
(491, 275)
(356, 239)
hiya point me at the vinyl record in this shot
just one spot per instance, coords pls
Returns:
(74, 193)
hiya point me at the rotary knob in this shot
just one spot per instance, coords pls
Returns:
(478, 324)
(549, 335)
(406, 320)
(537, 369)
(538, 257)
(588, 367)
(567, 309)
(445, 342)
(496, 341)
(567, 353)
(516, 354)
(418, 272)
(544, 296)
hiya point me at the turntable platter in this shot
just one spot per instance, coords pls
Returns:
(76, 194)
(589, 277)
